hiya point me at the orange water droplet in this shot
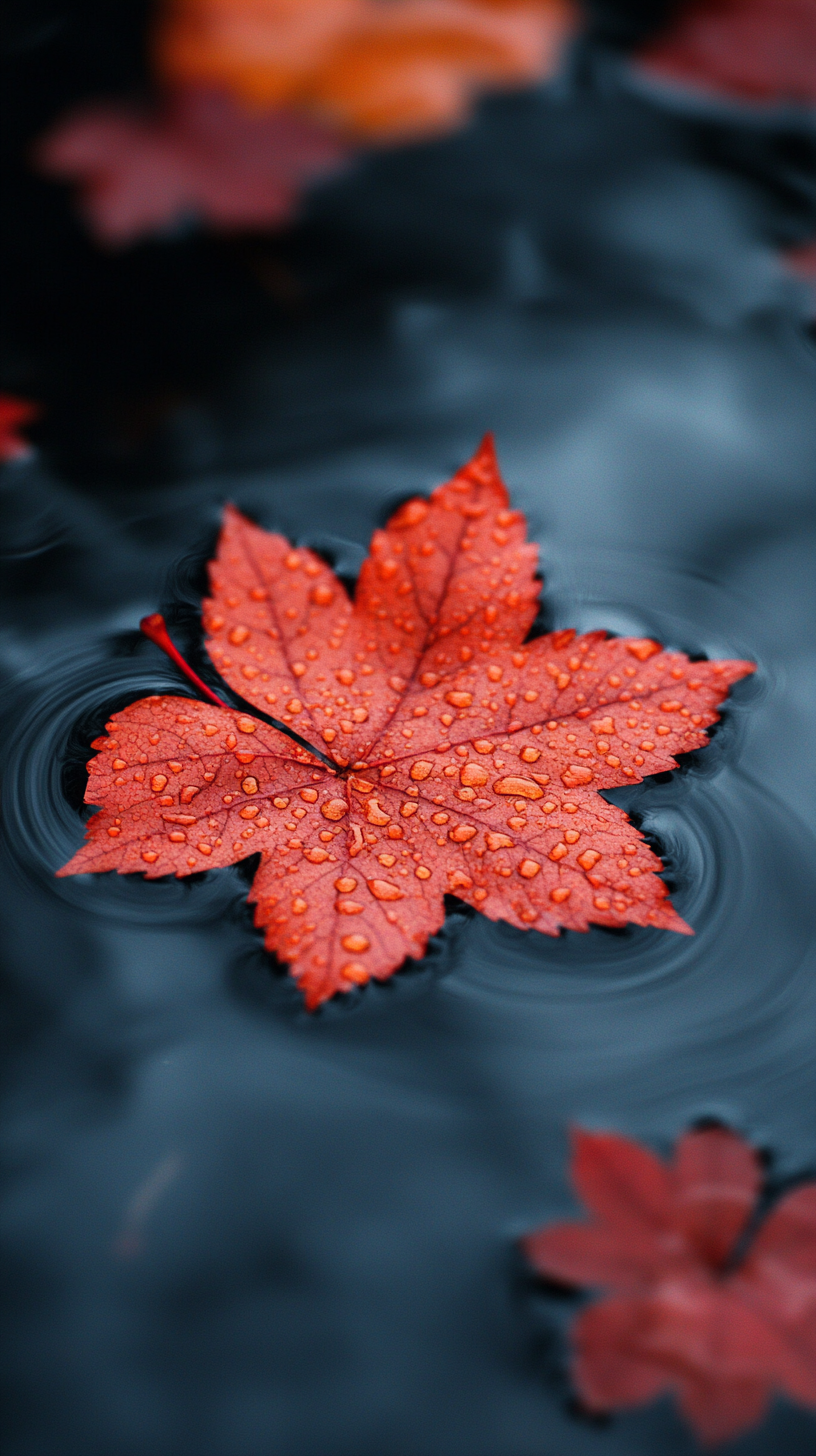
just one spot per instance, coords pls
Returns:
(641, 648)
(560, 894)
(334, 809)
(356, 943)
(458, 880)
(356, 973)
(315, 855)
(384, 890)
(472, 774)
(322, 596)
(413, 513)
(238, 635)
(600, 902)
(247, 725)
(458, 700)
(250, 785)
(498, 841)
(348, 907)
(421, 769)
(518, 788)
(529, 868)
(572, 836)
(422, 872)
(530, 755)
(309, 796)
(280, 803)
(483, 745)
(113, 831)
(575, 775)
(407, 809)
(299, 905)
(245, 757)
(177, 837)
(375, 814)
(462, 833)
(188, 794)
(158, 782)
(558, 852)
(345, 885)
(149, 856)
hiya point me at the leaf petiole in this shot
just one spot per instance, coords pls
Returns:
(154, 628)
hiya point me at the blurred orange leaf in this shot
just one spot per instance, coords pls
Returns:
(381, 71)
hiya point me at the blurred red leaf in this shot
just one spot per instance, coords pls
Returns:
(381, 72)
(802, 262)
(755, 50)
(447, 755)
(14, 413)
(203, 155)
(683, 1314)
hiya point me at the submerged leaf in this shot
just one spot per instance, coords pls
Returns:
(753, 50)
(201, 156)
(14, 414)
(678, 1315)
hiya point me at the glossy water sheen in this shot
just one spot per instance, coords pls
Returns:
(235, 1230)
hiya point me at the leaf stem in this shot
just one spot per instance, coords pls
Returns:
(154, 628)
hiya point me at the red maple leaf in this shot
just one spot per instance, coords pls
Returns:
(203, 155)
(14, 413)
(685, 1311)
(755, 50)
(457, 758)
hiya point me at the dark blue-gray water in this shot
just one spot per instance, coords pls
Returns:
(232, 1229)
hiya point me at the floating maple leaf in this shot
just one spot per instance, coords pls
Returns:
(14, 413)
(683, 1314)
(756, 50)
(438, 753)
(202, 154)
(387, 72)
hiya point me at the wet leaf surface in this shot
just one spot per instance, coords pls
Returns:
(459, 759)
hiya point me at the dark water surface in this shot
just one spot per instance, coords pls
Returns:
(233, 1229)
